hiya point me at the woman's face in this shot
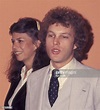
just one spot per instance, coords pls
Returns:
(23, 47)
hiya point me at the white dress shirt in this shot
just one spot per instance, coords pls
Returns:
(21, 83)
(63, 77)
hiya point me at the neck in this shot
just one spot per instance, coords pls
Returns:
(58, 65)
(28, 67)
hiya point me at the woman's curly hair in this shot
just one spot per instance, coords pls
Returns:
(82, 28)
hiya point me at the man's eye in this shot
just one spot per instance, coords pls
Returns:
(65, 37)
(49, 35)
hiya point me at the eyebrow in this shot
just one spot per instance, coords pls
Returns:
(61, 33)
(17, 38)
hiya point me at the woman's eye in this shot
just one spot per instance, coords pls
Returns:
(12, 41)
(20, 41)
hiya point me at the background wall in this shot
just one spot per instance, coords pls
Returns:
(12, 10)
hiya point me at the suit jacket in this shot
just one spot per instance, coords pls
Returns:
(19, 100)
(84, 92)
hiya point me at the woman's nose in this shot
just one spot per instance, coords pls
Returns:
(15, 45)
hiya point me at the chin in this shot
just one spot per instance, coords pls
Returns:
(56, 61)
(19, 59)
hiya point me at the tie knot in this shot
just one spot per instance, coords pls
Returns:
(55, 73)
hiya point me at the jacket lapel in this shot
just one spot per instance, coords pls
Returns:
(21, 93)
(79, 93)
(11, 91)
(39, 79)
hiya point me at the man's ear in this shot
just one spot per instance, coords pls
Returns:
(75, 46)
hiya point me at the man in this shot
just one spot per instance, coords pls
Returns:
(67, 37)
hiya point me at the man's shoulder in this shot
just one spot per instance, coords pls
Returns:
(38, 73)
(41, 70)
(80, 65)
(88, 73)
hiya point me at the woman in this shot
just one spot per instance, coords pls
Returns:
(28, 55)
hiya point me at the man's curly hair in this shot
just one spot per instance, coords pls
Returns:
(82, 28)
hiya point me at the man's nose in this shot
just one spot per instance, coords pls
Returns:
(56, 41)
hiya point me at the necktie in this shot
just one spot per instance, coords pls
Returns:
(53, 87)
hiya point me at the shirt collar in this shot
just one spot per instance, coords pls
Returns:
(67, 66)
(23, 71)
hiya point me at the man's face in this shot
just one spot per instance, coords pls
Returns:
(60, 44)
